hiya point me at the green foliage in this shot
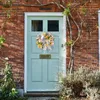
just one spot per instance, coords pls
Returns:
(13, 93)
(8, 91)
(69, 5)
(66, 11)
(8, 13)
(8, 87)
(7, 3)
(82, 82)
(84, 10)
(2, 40)
(69, 43)
(22, 98)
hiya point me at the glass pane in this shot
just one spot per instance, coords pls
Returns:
(53, 25)
(37, 25)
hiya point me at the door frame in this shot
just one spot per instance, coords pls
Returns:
(99, 36)
(26, 15)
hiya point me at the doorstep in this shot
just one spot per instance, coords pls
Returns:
(43, 98)
(42, 94)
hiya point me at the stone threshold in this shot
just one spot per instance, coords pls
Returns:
(42, 94)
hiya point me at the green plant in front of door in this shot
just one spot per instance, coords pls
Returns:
(8, 87)
(7, 84)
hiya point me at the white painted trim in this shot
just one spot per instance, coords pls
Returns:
(99, 35)
(64, 31)
(25, 54)
(98, 11)
(27, 14)
(44, 14)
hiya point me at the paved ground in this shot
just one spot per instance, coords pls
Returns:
(42, 98)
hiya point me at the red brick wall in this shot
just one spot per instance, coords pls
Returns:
(86, 49)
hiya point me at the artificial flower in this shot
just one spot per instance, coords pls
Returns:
(45, 41)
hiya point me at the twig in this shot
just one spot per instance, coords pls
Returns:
(79, 30)
(38, 1)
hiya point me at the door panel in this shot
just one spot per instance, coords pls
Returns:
(37, 70)
(42, 74)
(53, 70)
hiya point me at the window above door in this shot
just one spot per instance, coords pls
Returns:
(37, 25)
(52, 25)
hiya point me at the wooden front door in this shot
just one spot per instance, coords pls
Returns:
(43, 73)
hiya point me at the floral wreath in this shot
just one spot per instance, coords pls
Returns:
(45, 41)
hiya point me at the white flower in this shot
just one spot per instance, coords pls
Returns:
(6, 58)
(42, 37)
(13, 89)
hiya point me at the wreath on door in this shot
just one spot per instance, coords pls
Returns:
(45, 41)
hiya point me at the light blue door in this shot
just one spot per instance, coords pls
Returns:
(42, 74)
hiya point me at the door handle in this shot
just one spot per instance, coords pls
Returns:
(62, 45)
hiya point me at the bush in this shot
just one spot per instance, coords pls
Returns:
(82, 83)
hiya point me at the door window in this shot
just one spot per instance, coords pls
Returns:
(53, 25)
(37, 25)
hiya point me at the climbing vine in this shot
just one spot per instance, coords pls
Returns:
(76, 12)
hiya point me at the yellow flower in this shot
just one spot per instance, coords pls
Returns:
(40, 46)
(37, 43)
(47, 45)
(44, 34)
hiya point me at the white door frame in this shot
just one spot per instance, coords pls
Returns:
(99, 36)
(27, 14)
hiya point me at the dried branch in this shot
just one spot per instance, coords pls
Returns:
(78, 28)
(82, 21)
(38, 5)
(38, 1)
(31, 5)
(71, 48)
